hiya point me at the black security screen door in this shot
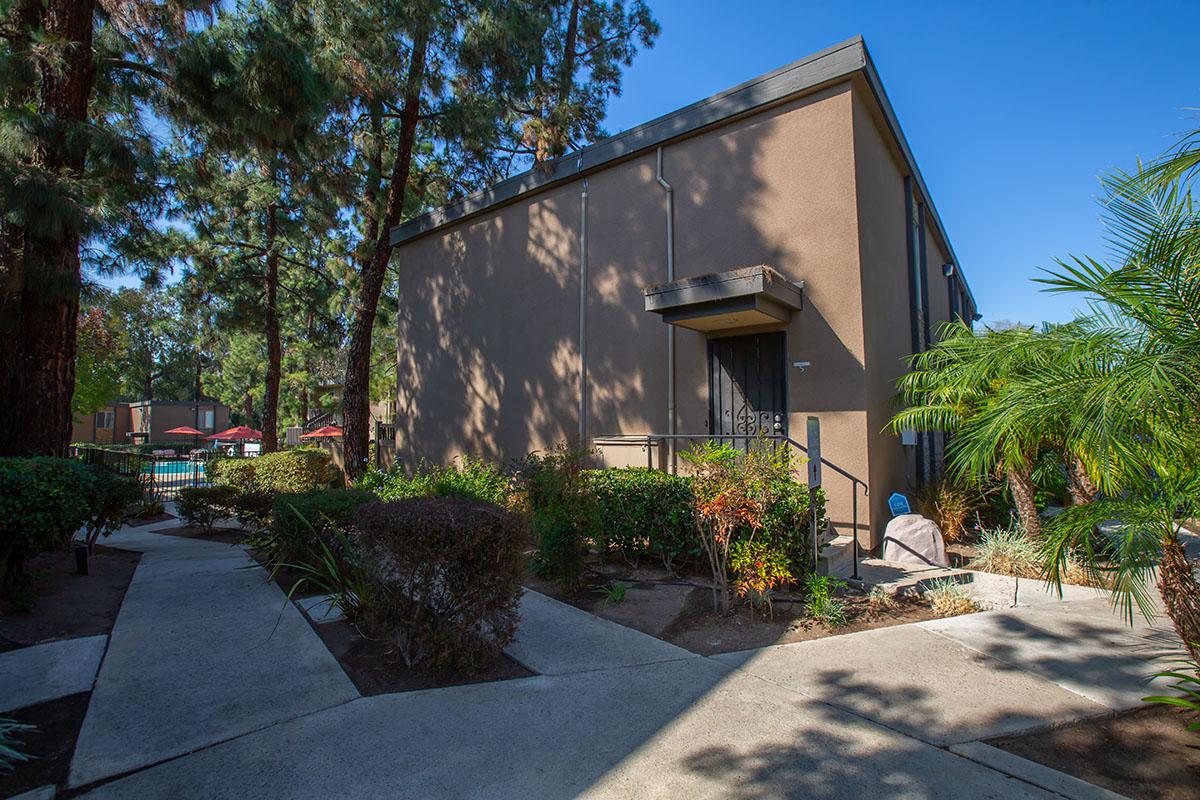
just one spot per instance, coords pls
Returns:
(747, 385)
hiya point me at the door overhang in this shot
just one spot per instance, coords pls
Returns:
(738, 298)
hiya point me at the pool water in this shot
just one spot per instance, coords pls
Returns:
(178, 470)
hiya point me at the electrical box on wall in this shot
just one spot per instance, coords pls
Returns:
(908, 438)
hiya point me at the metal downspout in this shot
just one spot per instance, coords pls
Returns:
(670, 328)
(583, 287)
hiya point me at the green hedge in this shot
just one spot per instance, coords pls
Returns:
(286, 472)
(469, 477)
(643, 512)
(45, 501)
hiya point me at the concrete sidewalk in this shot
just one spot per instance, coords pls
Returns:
(891, 713)
(204, 649)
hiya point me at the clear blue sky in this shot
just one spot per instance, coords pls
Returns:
(1012, 109)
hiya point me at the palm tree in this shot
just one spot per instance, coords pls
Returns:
(1138, 394)
(975, 387)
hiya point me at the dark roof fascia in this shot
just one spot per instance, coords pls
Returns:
(808, 73)
(812, 72)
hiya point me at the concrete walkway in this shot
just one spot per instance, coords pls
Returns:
(893, 713)
(204, 649)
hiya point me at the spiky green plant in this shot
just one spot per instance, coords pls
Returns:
(10, 733)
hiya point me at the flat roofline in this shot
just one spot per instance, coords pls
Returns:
(800, 77)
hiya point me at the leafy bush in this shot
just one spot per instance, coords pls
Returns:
(445, 578)
(820, 602)
(236, 472)
(292, 471)
(948, 598)
(253, 509)
(561, 511)
(45, 501)
(468, 477)
(203, 506)
(643, 511)
(758, 570)
(298, 521)
(787, 519)
(1007, 551)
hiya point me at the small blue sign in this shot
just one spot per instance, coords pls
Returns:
(898, 504)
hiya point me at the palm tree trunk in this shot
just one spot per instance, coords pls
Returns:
(1083, 490)
(1024, 497)
(1181, 594)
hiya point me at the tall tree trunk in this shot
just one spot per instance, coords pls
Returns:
(1181, 594)
(1025, 498)
(1080, 485)
(39, 308)
(356, 399)
(270, 439)
(248, 408)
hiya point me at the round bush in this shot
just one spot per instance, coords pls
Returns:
(444, 578)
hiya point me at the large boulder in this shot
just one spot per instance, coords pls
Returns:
(913, 539)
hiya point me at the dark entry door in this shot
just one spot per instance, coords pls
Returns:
(747, 385)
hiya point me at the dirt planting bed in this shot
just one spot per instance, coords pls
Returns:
(1146, 754)
(679, 609)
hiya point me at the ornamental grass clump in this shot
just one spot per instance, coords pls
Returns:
(1007, 551)
(948, 598)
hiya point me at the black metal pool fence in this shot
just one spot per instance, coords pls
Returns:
(162, 476)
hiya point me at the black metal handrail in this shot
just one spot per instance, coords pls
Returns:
(855, 481)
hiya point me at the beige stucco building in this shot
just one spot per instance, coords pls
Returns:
(147, 422)
(674, 279)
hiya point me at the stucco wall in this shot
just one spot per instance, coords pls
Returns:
(885, 299)
(489, 321)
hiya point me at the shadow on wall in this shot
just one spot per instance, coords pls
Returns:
(488, 323)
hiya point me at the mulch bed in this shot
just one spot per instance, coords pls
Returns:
(374, 666)
(223, 535)
(51, 745)
(691, 623)
(65, 605)
(1145, 754)
(701, 630)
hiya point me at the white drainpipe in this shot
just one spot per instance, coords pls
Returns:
(670, 328)
(583, 287)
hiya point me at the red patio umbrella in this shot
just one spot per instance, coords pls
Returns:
(186, 430)
(239, 434)
(329, 431)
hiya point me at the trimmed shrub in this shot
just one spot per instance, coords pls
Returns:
(45, 501)
(286, 472)
(445, 578)
(787, 521)
(562, 511)
(644, 512)
(227, 471)
(203, 506)
(468, 477)
(297, 520)
(292, 471)
(253, 509)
